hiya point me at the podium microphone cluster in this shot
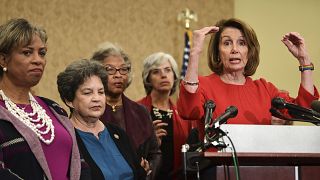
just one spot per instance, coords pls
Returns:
(296, 110)
(230, 112)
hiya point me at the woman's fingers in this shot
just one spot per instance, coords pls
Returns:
(161, 132)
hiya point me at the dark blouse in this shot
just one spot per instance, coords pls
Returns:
(166, 168)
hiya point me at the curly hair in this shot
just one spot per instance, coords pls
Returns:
(76, 74)
(108, 49)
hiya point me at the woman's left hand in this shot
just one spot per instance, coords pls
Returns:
(296, 45)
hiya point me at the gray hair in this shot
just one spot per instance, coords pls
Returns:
(75, 74)
(18, 32)
(108, 49)
(152, 62)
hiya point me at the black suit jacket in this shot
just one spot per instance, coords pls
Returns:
(140, 131)
(125, 148)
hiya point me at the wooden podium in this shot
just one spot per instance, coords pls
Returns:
(264, 152)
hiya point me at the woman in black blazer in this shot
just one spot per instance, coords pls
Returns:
(106, 148)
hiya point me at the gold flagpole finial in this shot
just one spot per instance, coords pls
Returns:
(187, 16)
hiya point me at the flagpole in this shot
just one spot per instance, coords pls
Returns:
(186, 16)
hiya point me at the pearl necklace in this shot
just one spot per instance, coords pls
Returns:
(34, 124)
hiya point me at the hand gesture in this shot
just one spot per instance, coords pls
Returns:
(296, 45)
(145, 165)
(160, 132)
(199, 36)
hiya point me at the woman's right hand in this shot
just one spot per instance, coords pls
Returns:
(159, 129)
(193, 65)
(199, 36)
(146, 166)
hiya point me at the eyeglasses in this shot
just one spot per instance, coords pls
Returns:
(112, 70)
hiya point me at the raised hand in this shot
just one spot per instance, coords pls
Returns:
(159, 129)
(296, 45)
(199, 36)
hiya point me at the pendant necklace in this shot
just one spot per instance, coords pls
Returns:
(114, 107)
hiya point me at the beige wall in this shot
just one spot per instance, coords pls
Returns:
(141, 27)
(271, 20)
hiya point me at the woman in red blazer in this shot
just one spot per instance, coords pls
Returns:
(160, 78)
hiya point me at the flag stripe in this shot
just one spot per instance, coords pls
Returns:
(186, 52)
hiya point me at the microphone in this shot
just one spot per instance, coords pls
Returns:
(315, 105)
(230, 112)
(278, 114)
(209, 107)
(295, 110)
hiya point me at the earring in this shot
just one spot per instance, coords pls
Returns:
(4, 69)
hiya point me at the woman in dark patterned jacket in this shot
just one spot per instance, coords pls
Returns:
(123, 112)
(37, 140)
(105, 147)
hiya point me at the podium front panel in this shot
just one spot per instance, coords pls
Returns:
(272, 138)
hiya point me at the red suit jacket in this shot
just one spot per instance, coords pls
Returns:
(181, 129)
(253, 100)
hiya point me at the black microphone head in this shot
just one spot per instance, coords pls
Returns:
(209, 104)
(278, 102)
(233, 111)
(315, 105)
(274, 112)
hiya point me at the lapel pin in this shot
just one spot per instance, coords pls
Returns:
(116, 136)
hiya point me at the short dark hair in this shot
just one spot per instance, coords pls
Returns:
(18, 32)
(253, 46)
(75, 74)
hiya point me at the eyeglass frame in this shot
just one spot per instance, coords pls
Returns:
(127, 68)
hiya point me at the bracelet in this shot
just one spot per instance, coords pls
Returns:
(190, 83)
(306, 67)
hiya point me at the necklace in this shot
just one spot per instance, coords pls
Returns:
(114, 107)
(42, 120)
(159, 115)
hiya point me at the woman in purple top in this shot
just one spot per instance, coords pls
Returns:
(37, 140)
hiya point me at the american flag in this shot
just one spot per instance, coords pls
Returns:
(186, 52)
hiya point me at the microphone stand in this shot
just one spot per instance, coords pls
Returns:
(192, 160)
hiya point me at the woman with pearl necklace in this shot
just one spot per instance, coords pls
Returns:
(37, 139)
